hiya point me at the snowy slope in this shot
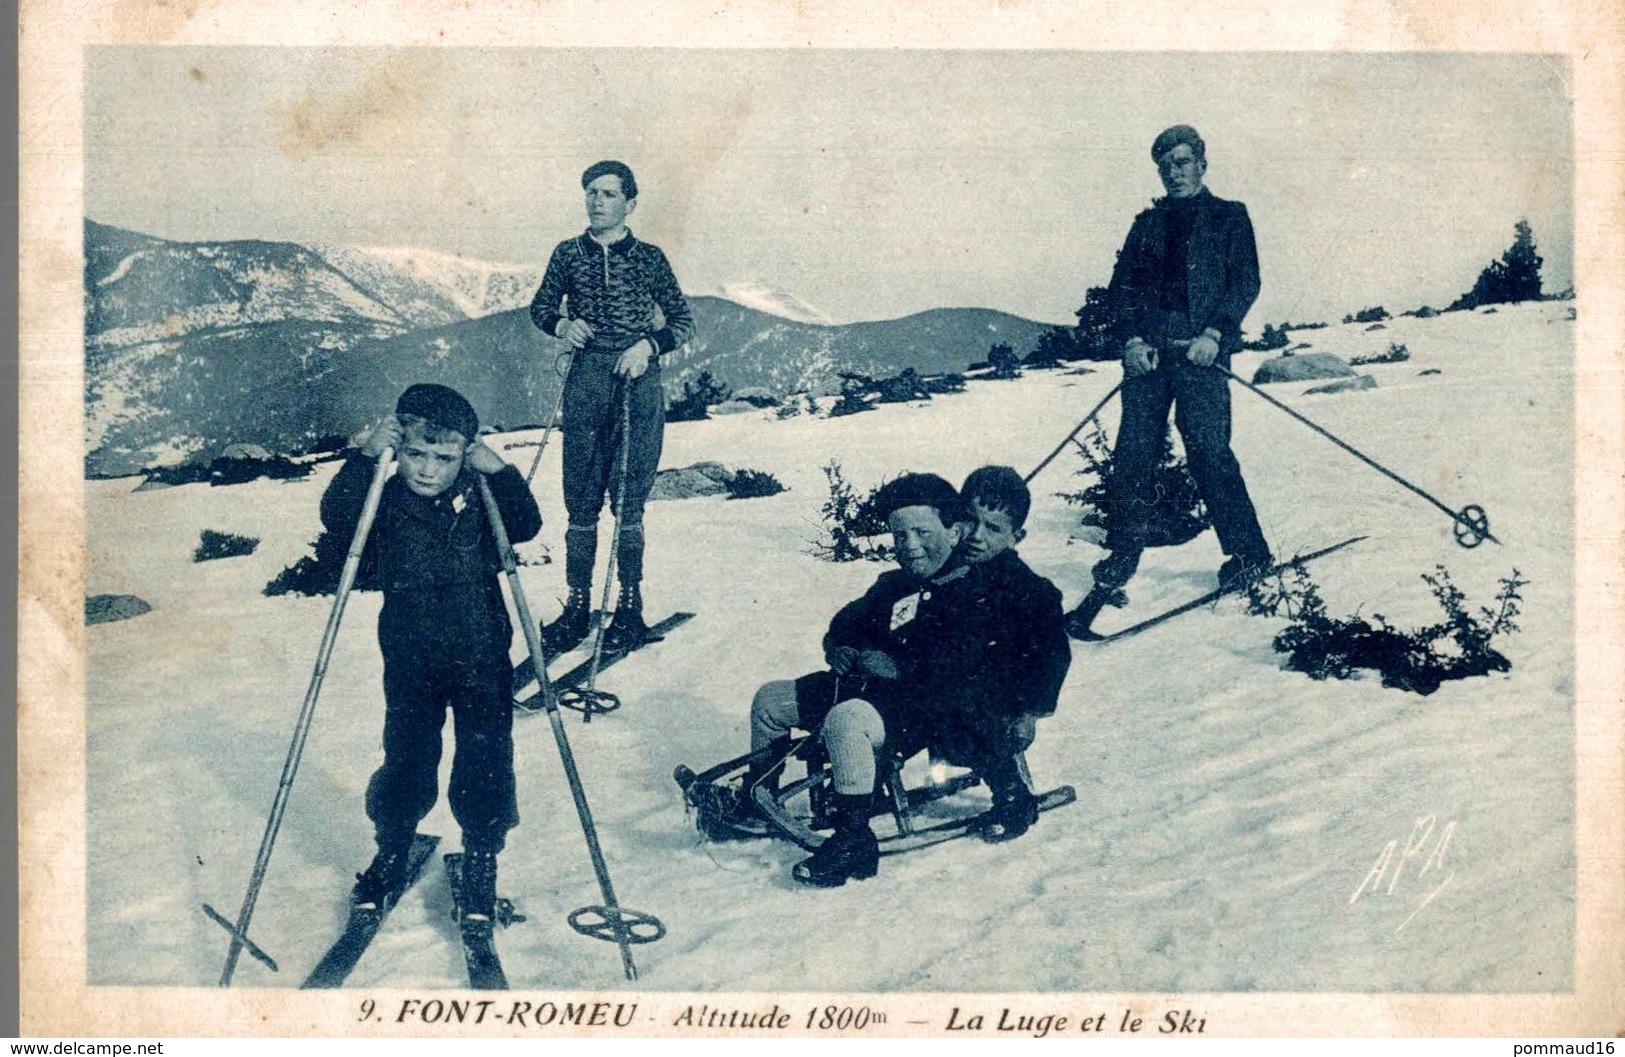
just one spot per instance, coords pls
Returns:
(1227, 812)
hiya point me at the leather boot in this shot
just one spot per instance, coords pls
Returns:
(850, 853)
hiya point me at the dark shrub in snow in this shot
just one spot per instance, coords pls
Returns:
(1177, 517)
(1396, 354)
(851, 524)
(753, 484)
(1326, 647)
(212, 545)
(698, 396)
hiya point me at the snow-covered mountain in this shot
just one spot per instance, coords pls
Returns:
(1228, 811)
(191, 347)
(467, 288)
(765, 297)
(140, 289)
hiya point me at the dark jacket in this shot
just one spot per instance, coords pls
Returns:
(616, 289)
(435, 559)
(1031, 656)
(1221, 273)
(986, 643)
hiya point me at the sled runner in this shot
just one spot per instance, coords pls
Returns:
(799, 809)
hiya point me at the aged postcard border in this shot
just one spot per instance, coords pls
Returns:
(51, 635)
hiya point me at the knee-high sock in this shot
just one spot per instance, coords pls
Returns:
(630, 555)
(580, 555)
(853, 734)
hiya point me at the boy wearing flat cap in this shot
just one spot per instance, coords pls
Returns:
(444, 632)
(927, 658)
(1186, 276)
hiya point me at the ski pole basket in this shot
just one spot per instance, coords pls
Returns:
(1470, 525)
(589, 701)
(614, 922)
(617, 924)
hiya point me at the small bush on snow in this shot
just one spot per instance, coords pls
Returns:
(851, 525)
(754, 484)
(213, 545)
(1327, 647)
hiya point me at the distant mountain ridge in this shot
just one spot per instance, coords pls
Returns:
(467, 288)
(194, 346)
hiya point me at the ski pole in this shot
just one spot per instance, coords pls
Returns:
(1075, 431)
(1471, 524)
(613, 921)
(591, 696)
(301, 730)
(558, 402)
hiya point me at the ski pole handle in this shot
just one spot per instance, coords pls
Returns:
(307, 712)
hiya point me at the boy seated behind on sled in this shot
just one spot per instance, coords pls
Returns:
(444, 632)
(997, 502)
(922, 659)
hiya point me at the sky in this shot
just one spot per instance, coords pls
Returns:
(869, 184)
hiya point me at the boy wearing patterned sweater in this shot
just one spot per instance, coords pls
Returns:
(616, 302)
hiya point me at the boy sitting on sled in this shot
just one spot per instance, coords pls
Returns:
(924, 658)
(444, 632)
(996, 504)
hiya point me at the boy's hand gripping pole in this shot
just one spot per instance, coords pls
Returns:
(1471, 525)
(608, 921)
(301, 730)
(1090, 417)
(590, 700)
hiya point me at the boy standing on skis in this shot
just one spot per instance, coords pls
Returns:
(1183, 282)
(1029, 606)
(617, 303)
(444, 632)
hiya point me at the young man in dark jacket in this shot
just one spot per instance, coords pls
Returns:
(1186, 276)
(617, 303)
(444, 632)
(1035, 645)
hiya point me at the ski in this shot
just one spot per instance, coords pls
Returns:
(479, 946)
(578, 674)
(363, 925)
(800, 829)
(524, 673)
(1078, 623)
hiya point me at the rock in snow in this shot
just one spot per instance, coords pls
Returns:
(1301, 368)
(1344, 385)
(105, 609)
